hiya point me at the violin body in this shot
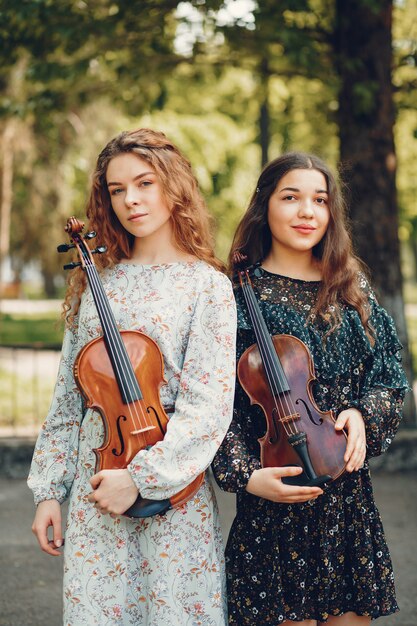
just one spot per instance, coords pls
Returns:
(94, 375)
(293, 411)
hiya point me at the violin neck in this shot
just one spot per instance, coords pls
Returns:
(273, 368)
(122, 366)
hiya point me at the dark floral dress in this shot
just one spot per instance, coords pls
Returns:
(328, 556)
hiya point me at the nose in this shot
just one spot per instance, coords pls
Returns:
(132, 197)
(306, 208)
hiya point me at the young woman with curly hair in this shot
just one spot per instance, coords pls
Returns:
(319, 558)
(161, 277)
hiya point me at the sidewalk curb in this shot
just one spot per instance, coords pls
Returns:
(16, 455)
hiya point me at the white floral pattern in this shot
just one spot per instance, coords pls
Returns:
(167, 569)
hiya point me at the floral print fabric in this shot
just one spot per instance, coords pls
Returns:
(328, 556)
(168, 569)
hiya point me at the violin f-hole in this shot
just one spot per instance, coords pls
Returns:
(119, 432)
(311, 418)
(151, 408)
(275, 418)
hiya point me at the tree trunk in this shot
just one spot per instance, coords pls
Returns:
(366, 120)
(49, 286)
(6, 194)
(264, 126)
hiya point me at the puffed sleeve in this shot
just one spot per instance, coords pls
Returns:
(236, 460)
(384, 385)
(204, 404)
(54, 460)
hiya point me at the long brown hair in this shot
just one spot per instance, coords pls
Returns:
(339, 265)
(190, 218)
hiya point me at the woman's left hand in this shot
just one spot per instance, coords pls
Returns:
(352, 421)
(114, 491)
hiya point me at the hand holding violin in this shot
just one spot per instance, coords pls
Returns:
(114, 491)
(266, 483)
(351, 421)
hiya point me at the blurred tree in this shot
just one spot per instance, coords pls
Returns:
(69, 53)
(405, 85)
(272, 39)
(363, 44)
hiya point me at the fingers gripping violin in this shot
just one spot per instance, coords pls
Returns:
(277, 374)
(107, 371)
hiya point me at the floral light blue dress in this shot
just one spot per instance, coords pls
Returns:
(168, 569)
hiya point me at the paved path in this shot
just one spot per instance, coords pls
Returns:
(30, 581)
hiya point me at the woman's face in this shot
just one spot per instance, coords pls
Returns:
(137, 197)
(298, 211)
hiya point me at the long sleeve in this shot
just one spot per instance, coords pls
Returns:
(236, 458)
(54, 460)
(382, 411)
(204, 404)
(384, 385)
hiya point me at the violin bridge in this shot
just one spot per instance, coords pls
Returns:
(142, 430)
(290, 418)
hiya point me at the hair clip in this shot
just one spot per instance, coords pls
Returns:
(258, 189)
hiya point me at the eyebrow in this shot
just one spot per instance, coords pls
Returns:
(136, 178)
(296, 189)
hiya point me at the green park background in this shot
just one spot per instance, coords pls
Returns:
(233, 84)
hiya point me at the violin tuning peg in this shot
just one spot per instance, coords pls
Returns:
(90, 235)
(71, 266)
(64, 247)
(99, 250)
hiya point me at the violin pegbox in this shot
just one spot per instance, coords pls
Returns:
(74, 228)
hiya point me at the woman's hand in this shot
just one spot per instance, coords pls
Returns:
(48, 513)
(352, 421)
(114, 491)
(266, 483)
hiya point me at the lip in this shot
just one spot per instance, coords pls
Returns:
(136, 216)
(304, 228)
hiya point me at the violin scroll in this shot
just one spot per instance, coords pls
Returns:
(74, 228)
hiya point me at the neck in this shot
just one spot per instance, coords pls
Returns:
(293, 263)
(154, 250)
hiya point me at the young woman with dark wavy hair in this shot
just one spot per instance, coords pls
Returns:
(317, 557)
(161, 277)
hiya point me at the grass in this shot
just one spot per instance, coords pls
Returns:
(40, 329)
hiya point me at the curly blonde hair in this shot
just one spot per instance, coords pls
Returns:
(340, 267)
(190, 218)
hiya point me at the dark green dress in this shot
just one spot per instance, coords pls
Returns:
(328, 556)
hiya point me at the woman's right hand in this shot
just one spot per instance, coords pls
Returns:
(266, 483)
(48, 514)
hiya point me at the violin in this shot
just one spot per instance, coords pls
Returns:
(277, 373)
(120, 374)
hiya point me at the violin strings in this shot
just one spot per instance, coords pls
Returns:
(264, 339)
(117, 349)
(277, 370)
(270, 350)
(276, 395)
